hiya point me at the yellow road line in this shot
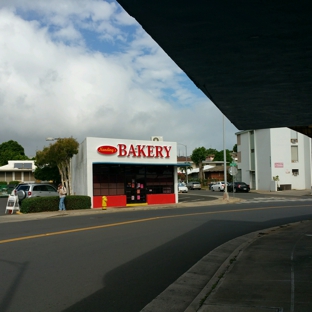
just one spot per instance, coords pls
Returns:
(74, 230)
(10, 240)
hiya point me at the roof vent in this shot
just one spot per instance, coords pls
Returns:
(157, 138)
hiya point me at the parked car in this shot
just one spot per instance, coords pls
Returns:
(210, 185)
(218, 186)
(182, 187)
(238, 187)
(194, 185)
(28, 190)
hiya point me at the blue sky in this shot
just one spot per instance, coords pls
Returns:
(86, 68)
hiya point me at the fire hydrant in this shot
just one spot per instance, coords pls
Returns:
(104, 202)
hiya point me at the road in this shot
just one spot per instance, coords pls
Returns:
(252, 196)
(119, 261)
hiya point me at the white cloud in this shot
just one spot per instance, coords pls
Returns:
(53, 84)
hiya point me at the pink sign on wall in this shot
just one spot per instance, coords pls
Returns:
(279, 165)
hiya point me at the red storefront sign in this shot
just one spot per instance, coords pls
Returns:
(149, 151)
(107, 150)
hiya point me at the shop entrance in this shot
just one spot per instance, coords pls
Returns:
(135, 187)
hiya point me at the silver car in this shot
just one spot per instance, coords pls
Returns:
(182, 187)
(28, 190)
(194, 186)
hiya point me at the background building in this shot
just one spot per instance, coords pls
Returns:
(279, 154)
(18, 170)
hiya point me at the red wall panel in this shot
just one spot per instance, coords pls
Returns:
(121, 201)
(154, 199)
(112, 201)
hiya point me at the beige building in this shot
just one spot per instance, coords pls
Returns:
(18, 170)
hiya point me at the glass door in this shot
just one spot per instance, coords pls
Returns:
(135, 185)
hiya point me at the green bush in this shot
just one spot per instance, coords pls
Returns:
(14, 182)
(51, 203)
(3, 183)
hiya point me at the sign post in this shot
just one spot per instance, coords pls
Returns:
(233, 171)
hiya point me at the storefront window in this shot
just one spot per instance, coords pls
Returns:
(135, 181)
(159, 179)
(108, 180)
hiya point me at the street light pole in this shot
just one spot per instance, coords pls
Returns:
(185, 160)
(225, 195)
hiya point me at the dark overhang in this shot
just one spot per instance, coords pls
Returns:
(253, 59)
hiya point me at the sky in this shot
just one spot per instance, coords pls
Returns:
(85, 68)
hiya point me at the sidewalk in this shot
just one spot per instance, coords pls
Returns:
(286, 193)
(271, 273)
(263, 271)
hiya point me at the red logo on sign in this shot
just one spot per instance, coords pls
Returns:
(107, 150)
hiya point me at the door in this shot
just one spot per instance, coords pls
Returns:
(135, 191)
(135, 186)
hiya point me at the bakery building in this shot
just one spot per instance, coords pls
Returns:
(120, 172)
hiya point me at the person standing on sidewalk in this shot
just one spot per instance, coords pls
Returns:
(62, 193)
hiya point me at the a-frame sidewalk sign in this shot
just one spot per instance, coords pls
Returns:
(12, 205)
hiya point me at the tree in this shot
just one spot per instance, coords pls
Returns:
(235, 148)
(59, 154)
(11, 150)
(47, 173)
(198, 156)
(219, 156)
(211, 151)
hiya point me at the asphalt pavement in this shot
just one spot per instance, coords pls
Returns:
(263, 271)
(270, 270)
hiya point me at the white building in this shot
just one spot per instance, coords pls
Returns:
(278, 154)
(124, 172)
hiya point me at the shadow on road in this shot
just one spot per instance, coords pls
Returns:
(164, 263)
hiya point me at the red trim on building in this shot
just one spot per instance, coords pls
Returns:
(121, 201)
(112, 201)
(154, 199)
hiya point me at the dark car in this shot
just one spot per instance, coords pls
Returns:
(238, 187)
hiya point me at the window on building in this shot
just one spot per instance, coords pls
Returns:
(6, 176)
(295, 172)
(108, 180)
(113, 179)
(294, 153)
(238, 139)
(252, 139)
(159, 179)
(18, 176)
(293, 136)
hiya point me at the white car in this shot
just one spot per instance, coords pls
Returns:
(218, 186)
(182, 187)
